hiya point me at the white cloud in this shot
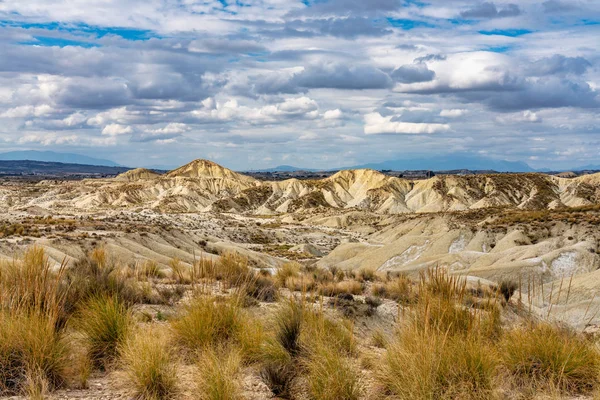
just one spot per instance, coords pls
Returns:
(454, 113)
(27, 111)
(172, 128)
(116, 130)
(375, 124)
(333, 114)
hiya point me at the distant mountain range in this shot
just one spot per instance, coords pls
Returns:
(51, 156)
(285, 168)
(449, 163)
(439, 163)
(458, 161)
(54, 169)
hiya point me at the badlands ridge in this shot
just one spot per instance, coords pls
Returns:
(205, 186)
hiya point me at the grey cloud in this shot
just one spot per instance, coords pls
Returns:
(167, 85)
(349, 7)
(559, 64)
(430, 57)
(226, 46)
(488, 10)
(93, 94)
(412, 73)
(344, 27)
(342, 76)
(557, 6)
(549, 92)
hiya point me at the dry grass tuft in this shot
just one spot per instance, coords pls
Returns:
(430, 365)
(285, 272)
(332, 289)
(148, 361)
(217, 375)
(105, 321)
(330, 375)
(33, 354)
(208, 321)
(400, 289)
(547, 357)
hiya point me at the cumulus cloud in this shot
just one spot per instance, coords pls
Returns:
(116, 130)
(333, 114)
(412, 73)
(231, 110)
(559, 64)
(557, 6)
(455, 113)
(489, 10)
(375, 124)
(27, 111)
(342, 76)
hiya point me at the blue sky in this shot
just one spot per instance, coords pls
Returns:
(327, 83)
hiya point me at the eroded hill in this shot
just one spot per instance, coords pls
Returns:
(205, 186)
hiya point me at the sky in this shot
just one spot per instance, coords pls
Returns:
(313, 83)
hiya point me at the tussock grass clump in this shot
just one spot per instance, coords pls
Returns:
(285, 272)
(233, 269)
(217, 375)
(544, 356)
(33, 314)
(438, 282)
(279, 353)
(366, 275)
(98, 275)
(180, 273)
(213, 322)
(208, 321)
(301, 283)
(421, 365)
(400, 289)
(261, 288)
(149, 269)
(105, 321)
(447, 349)
(507, 289)
(148, 361)
(305, 341)
(204, 268)
(30, 285)
(33, 354)
(345, 287)
(330, 375)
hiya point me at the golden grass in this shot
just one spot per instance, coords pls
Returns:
(345, 287)
(400, 289)
(149, 363)
(105, 322)
(545, 356)
(208, 321)
(430, 365)
(285, 272)
(330, 375)
(217, 373)
(33, 354)
(33, 348)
